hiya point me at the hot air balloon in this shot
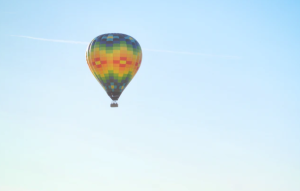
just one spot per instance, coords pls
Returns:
(114, 59)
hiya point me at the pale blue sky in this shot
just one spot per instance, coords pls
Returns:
(226, 118)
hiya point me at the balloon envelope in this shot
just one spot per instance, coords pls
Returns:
(114, 59)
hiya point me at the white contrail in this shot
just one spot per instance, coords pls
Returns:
(193, 53)
(52, 40)
(152, 50)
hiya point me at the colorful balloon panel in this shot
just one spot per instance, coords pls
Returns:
(114, 59)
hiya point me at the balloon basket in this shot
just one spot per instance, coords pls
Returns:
(114, 104)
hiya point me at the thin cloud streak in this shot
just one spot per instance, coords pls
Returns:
(146, 49)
